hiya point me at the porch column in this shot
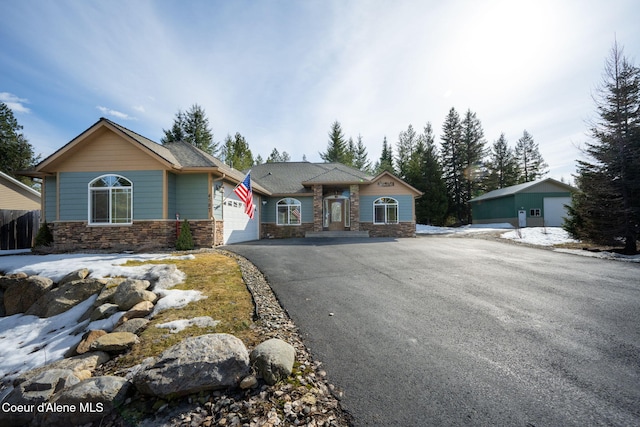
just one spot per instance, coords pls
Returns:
(317, 207)
(354, 200)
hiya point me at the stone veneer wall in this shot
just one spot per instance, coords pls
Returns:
(141, 235)
(403, 229)
(317, 208)
(273, 231)
(354, 200)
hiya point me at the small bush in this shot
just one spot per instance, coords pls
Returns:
(185, 239)
(44, 236)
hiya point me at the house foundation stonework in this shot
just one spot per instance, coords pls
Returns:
(273, 231)
(403, 229)
(141, 235)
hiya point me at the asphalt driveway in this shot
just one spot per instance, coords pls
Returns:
(463, 331)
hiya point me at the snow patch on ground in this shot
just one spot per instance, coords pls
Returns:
(179, 325)
(27, 342)
(541, 236)
(472, 228)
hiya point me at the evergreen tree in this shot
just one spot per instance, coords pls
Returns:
(17, 153)
(258, 160)
(360, 157)
(607, 207)
(386, 159)
(337, 150)
(192, 127)
(473, 153)
(236, 152)
(530, 162)
(276, 157)
(407, 141)
(453, 164)
(425, 174)
(502, 167)
(185, 239)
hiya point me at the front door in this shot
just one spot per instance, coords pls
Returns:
(522, 218)
(336, 214)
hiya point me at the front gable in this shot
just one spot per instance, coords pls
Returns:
(387, 184)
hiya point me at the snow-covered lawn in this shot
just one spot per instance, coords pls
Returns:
(27, 342)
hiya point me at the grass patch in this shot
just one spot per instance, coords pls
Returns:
(227, 299)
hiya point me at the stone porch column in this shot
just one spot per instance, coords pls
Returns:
(317, 207)
(354, 199)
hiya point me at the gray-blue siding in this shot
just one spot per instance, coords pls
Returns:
(74, 194)
(192, 196)
(405, 207)
(269, 210)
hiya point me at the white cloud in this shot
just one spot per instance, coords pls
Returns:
(15, 103)
(115, 113)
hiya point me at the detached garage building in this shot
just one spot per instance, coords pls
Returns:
(532, 204)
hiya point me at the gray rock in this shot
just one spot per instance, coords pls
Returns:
(24, 292)
(206, 362)
(9, 280)
(114, 342)
(106, 295)
(273, 360)
(34, 391)
(87, 361)
(73, 276)
(131, 292)
(3, 312)
(93, 398)
(103, 311)
(64, 297)
(135, 326)
(84, 346)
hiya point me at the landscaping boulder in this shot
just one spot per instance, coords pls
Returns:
(24, 292)
(73, 276)
(3, 312)
(106, 295)
(34, 391)
(65, 297)
(131, 292)
(103, 311)
(88, 338)
(206, 362)
(87, 361)
(94, 399)
(273, 360)
(135, 326)
(115, 342)
(9, 279)
(141, 309)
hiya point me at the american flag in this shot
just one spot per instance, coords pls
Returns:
(243, 190)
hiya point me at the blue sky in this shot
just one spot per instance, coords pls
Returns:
(280, 72)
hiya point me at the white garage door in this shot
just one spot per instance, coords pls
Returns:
(554, 210)
(237, 225)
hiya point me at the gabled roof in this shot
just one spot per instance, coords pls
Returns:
(514, 189)
(180, 156)
(14, 184)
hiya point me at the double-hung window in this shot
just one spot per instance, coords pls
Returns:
(110, 200)
(385, 211)
(289, 212)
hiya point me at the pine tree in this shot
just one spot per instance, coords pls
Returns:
(337, 147)
(192, 127)
(425, 174)
(407, 141)
(530, 162)
(502, 168)
(17, 153)
(236, 152)
(185, 239)
(607, 207)
(276, 157)
(360, 157)
(453, 163)
(386, 159)
(473, 151)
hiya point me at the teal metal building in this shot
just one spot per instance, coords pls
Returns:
(532, 204)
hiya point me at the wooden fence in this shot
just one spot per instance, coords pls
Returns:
(18, 229)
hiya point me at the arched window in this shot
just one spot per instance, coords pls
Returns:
(110, 200)
(288, 212)
(385, 211)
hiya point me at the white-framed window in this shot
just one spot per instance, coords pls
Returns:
(110, 200)
(288, 212)
(534, 212)
(385, 211)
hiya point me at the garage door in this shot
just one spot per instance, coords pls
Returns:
(554, 210)
(237, 225)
